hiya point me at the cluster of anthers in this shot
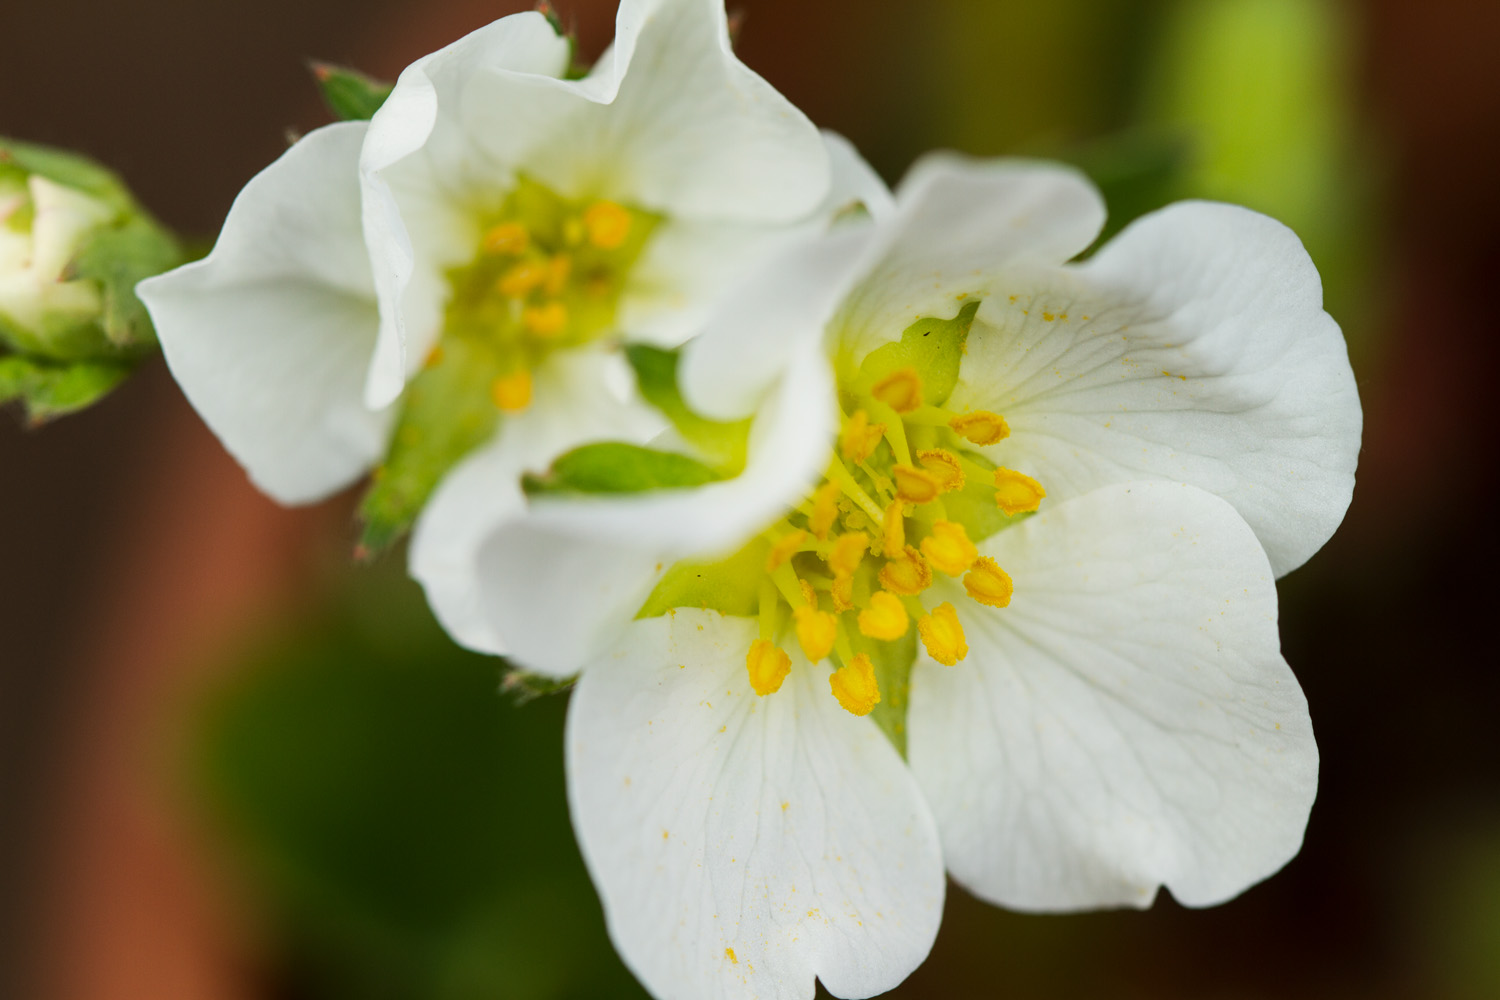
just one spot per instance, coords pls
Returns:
(865, 545)
(547, 275)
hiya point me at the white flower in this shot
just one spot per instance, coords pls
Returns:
(1097, 705)
(464, 266)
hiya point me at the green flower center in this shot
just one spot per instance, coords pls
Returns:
(547, 275)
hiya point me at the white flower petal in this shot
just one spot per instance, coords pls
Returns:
(1193, 348)
(678, 287)
(957, 222)
(574, 405)
(744, 845)
(759, 326)
(562, 581)
(270, 335)
(1128, 721)
(423, 175)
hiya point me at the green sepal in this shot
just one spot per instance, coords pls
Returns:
(524, 686)
(933, 347)
(731, 585)
(892, 662)
(352, 96)
(446, 412)
(723, 443)
(117, 259)
(50, 390)
(67, 170)
(612, 467)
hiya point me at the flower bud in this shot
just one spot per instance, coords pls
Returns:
(73, 244)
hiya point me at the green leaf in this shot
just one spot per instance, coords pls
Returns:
(615, 467)
(729, 585)
(722, 443)
(51, 390)
(351, 95)
(446, 412)
(934, 347)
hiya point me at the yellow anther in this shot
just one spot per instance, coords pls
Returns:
(848, 550)
(518, 282)
(988, 584)
(884, 618)
(768, 666)
(558, 270)
(1016, 492)
(783, 549)
(507, 237)
(815, 631)
(512, 393)
(901, 390)
(434, 357)
(893, 529)
(842, 592)
(546, 320)
(915, 485)
(854, 685)
(858, 437)
(981, 427)
(607, 223)
(809, 595)
(907, 573)
(825, 510)
(948, 548)
(944, 467)
(943, 635)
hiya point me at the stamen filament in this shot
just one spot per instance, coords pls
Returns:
(841, 475)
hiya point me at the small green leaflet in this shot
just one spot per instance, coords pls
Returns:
(351, 95)
(51, 390)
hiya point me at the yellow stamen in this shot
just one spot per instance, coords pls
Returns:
(434, 357)
(518, 282)
(512, 393)
(825, 510)
(907, 573)
(943, 635)
(893, 529)
(944, 467)
(848, 550)
(884, 618)
(768, 666)
(981, 427)
(842, 592)
(507, 237)
(815, 631)
(558, 270)
(607, 223)
(915, 485)
(546, 320)
(988, 584)
(948, 548)
(809, 595)
(901, 390)
(854, 685)
(1016, 492)
(783, 549)
(858, 437)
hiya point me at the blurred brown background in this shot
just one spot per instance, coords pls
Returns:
(136, 559)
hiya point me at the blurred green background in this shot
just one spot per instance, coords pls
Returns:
(380, 819)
